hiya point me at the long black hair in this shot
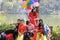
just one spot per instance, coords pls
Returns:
(40, 24)
(27, 22)
(34, 12)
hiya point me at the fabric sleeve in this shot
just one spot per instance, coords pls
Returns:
(47, 28)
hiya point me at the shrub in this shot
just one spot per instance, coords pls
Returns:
(5, 27)
(56, 33)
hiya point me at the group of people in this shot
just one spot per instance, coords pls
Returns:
(33, 29)
(32, 32)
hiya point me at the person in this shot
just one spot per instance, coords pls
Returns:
(37, 22)
(28, 35)
(33, 15)
(17, 24)
(30, 26)
(16, 29)
(7, 35)
(45, 28)
(35, 30)
(22, 27)
(11, 33)
(40, 32)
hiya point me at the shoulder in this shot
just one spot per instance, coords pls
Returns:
(30, 13)
(32, 25)
(45, 24)
(24, 25)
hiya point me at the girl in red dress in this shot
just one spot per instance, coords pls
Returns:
(33, 15)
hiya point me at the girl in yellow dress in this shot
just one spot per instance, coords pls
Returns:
(40, 33)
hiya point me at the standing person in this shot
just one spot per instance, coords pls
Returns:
(40, 32)
(22, 27)
(45, 28)
(33, 15)
(21, 30)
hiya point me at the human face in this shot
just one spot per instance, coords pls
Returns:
(41, 22)
(18, 21)
(21, 22)
(37, 9)
(37, 21)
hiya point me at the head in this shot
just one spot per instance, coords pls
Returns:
(37, 9)
(27, 22)
(34, 11)
(18, 20)
(22, 21)
(40, 21)
(37, 21)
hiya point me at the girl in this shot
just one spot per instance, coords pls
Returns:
(33, 15)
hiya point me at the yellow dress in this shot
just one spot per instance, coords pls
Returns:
(20, 37)
(41, 36)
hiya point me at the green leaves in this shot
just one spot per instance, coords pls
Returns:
(56, 33)
(5, 27)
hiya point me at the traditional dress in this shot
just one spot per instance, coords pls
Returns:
(28, 35)
(30, 27)
(33, 17)
(9, 37)
(40, 34)
(20, 37)
(22, 29)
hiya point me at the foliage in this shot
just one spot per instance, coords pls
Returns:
(56, 33)
(5, 27)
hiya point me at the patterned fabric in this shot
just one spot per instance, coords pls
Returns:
(32, 18)
(28, 35)
(40, 36)
(9, 37)
(20, 37)
(22, 29)
(30, 27)
(46, 29)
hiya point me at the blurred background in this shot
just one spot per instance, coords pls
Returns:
(10, 11)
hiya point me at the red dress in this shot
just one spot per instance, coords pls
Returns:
(32, 18)
(22, 29)
(41, 30)
(35, 35)
(9, 37)
(38, 30)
